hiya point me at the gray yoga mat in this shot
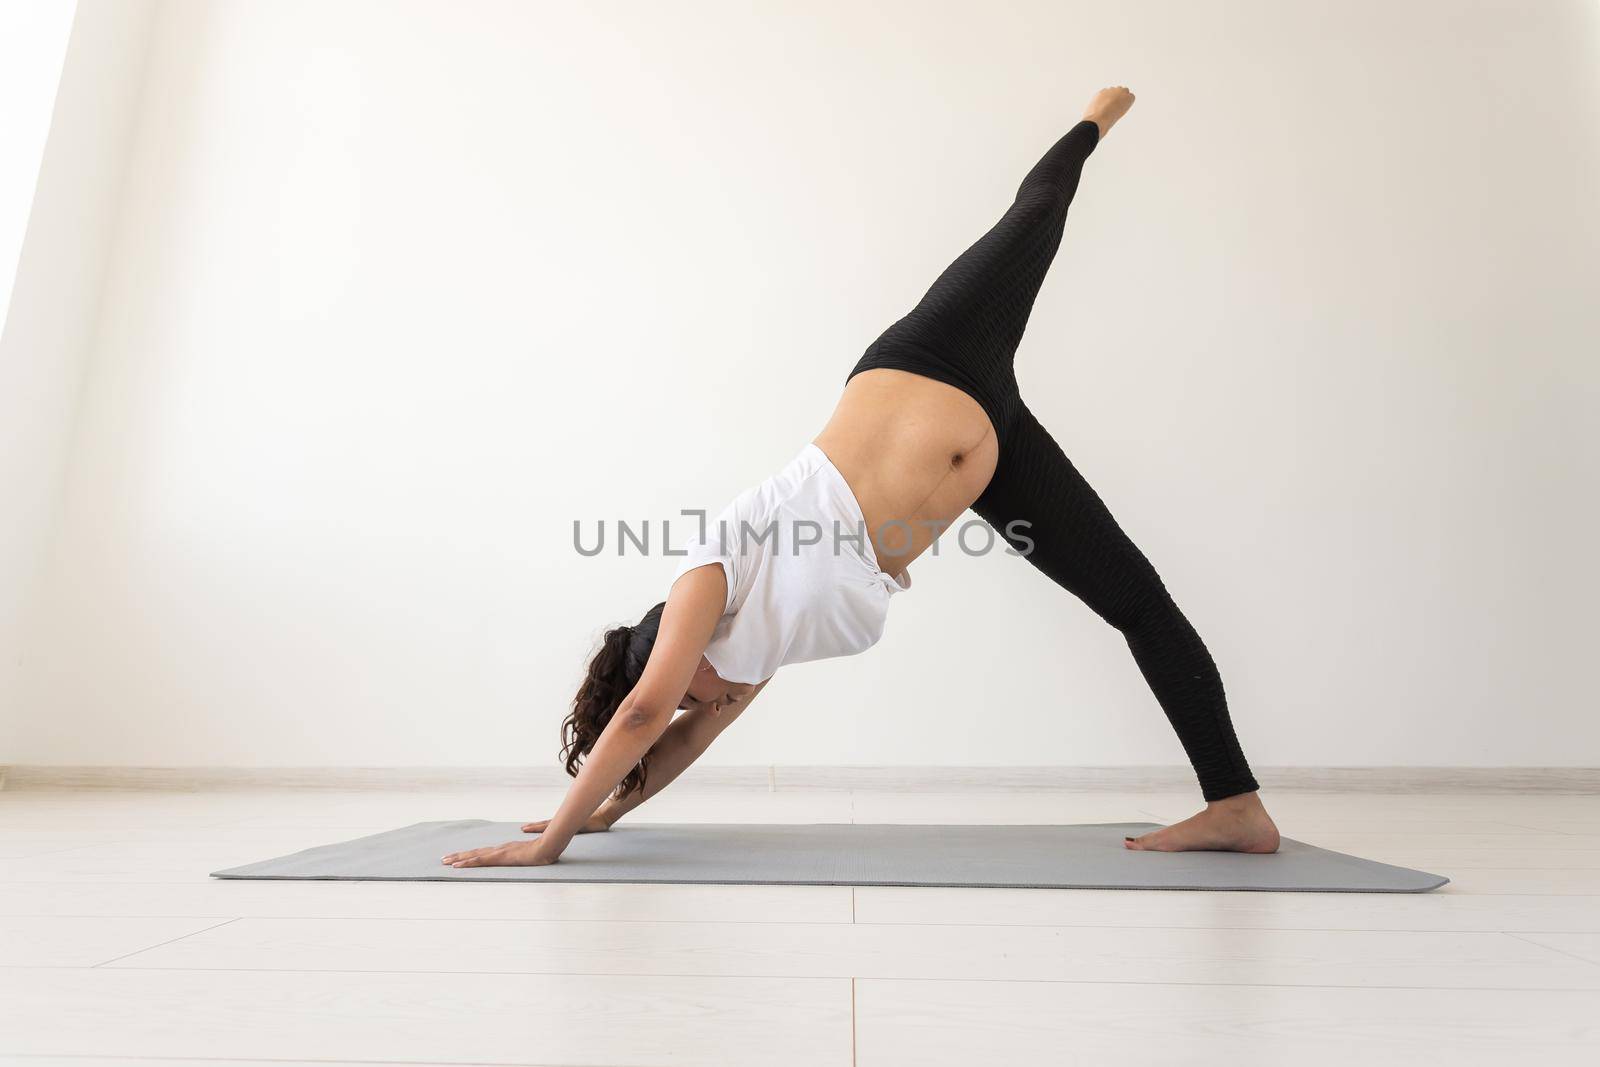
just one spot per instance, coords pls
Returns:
(1045, 857)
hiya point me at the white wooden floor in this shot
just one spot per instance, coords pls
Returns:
(116, 947)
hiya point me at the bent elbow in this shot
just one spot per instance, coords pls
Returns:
(639, 718)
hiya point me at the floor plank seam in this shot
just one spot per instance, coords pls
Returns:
(1382, 930)
(853, 921)
(54, 1057)
(170, 941)
(598, 919)
(1550, 948)
(829, 978)
(852, 1021)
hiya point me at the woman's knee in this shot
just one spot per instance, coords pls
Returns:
(1141, 605)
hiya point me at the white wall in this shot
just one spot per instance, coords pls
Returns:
(404, 289)
(80, 64)
(33, 42)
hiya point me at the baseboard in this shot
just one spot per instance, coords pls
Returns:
(901, 779)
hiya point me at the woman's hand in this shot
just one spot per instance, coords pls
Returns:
(510, 854)
(597, 824)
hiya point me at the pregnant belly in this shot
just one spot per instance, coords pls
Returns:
(916, 453)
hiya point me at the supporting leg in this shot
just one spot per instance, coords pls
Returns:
(1071, 536)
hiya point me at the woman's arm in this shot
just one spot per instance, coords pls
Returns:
(694, 605)
(684, 742)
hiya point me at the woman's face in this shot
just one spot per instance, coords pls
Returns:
(709, 692)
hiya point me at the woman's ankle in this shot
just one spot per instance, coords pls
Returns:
(1107, 106)
(1250, 801)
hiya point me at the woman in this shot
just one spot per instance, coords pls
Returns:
(802, 566)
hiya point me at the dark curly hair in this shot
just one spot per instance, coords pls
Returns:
(613, 672)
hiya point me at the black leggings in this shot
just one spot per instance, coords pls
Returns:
(965, 332)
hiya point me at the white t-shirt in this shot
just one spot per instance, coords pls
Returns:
(803, 579)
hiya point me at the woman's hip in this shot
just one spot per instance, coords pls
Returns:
(991, 386)
(917, 451)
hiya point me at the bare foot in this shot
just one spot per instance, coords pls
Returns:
(1108, 106)
(1237, 824)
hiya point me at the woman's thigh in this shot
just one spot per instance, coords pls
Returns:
(1040, 503)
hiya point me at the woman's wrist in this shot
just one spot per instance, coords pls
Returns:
(550, 848)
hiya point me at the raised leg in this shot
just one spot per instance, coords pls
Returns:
(966, 328)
